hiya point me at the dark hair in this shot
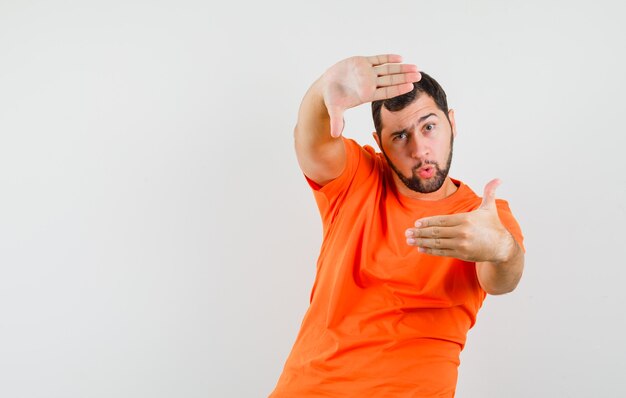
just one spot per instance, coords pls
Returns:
(426, 85)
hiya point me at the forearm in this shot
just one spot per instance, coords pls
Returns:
(313, 126)
(503, 276)
(321, 156)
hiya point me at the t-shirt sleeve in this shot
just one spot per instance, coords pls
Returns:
(359, 165)
(509, 222)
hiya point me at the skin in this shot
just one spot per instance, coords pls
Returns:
(476, 236)
(418, 134)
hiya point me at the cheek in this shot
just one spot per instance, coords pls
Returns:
(443, 148)
(404, 161)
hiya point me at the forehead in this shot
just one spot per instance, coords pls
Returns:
(408, 117)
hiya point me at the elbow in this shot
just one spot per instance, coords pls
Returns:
(499, 291)
(498, 286)
(503, 287)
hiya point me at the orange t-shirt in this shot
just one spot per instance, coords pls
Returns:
(384, 320)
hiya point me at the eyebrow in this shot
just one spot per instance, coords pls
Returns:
(420, 120)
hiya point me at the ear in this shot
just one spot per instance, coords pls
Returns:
(452, 122)
(377, 139)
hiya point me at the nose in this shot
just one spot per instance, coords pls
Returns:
(419, 147)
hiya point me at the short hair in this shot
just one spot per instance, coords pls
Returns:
(426, 85)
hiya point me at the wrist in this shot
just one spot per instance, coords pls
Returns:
(313, 104)
(508, 248)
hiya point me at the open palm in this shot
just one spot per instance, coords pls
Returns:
(358, 80)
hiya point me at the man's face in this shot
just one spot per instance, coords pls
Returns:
(417, 142)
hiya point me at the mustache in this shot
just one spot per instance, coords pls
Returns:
(420, 164)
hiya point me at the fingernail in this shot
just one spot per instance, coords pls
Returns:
(418, 224)
(408, 233)
(410, 241)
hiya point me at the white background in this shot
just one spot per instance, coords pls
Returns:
(157, 238)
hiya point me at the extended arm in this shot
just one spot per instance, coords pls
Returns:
(500, 277)
(349, 83)
(477, 236)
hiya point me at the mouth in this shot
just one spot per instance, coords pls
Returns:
(426, 171)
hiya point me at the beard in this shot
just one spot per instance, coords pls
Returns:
(416, 183)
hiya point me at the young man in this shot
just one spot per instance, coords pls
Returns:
(409, 253)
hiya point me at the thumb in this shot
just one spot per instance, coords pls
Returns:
(336, 122)
(489, 195)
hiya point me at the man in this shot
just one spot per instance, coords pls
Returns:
(409, 253)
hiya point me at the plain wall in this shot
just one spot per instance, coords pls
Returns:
(157, 238)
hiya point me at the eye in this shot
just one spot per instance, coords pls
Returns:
(429, 127)
(400, 136)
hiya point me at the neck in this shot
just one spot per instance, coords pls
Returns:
(446, 189)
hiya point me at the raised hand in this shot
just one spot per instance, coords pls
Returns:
(474, 236)
(358, 80)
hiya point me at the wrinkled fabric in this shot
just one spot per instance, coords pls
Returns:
(384, 320)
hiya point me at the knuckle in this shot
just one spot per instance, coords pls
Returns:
(462, 246)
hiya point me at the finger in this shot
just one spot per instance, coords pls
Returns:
(393, 80)
(393, 69)
(392, 91)
(433, 232)
(441, 221)
(436, 252)
(433, 243)
(489, 194)
(384, 59)
(336, 121)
